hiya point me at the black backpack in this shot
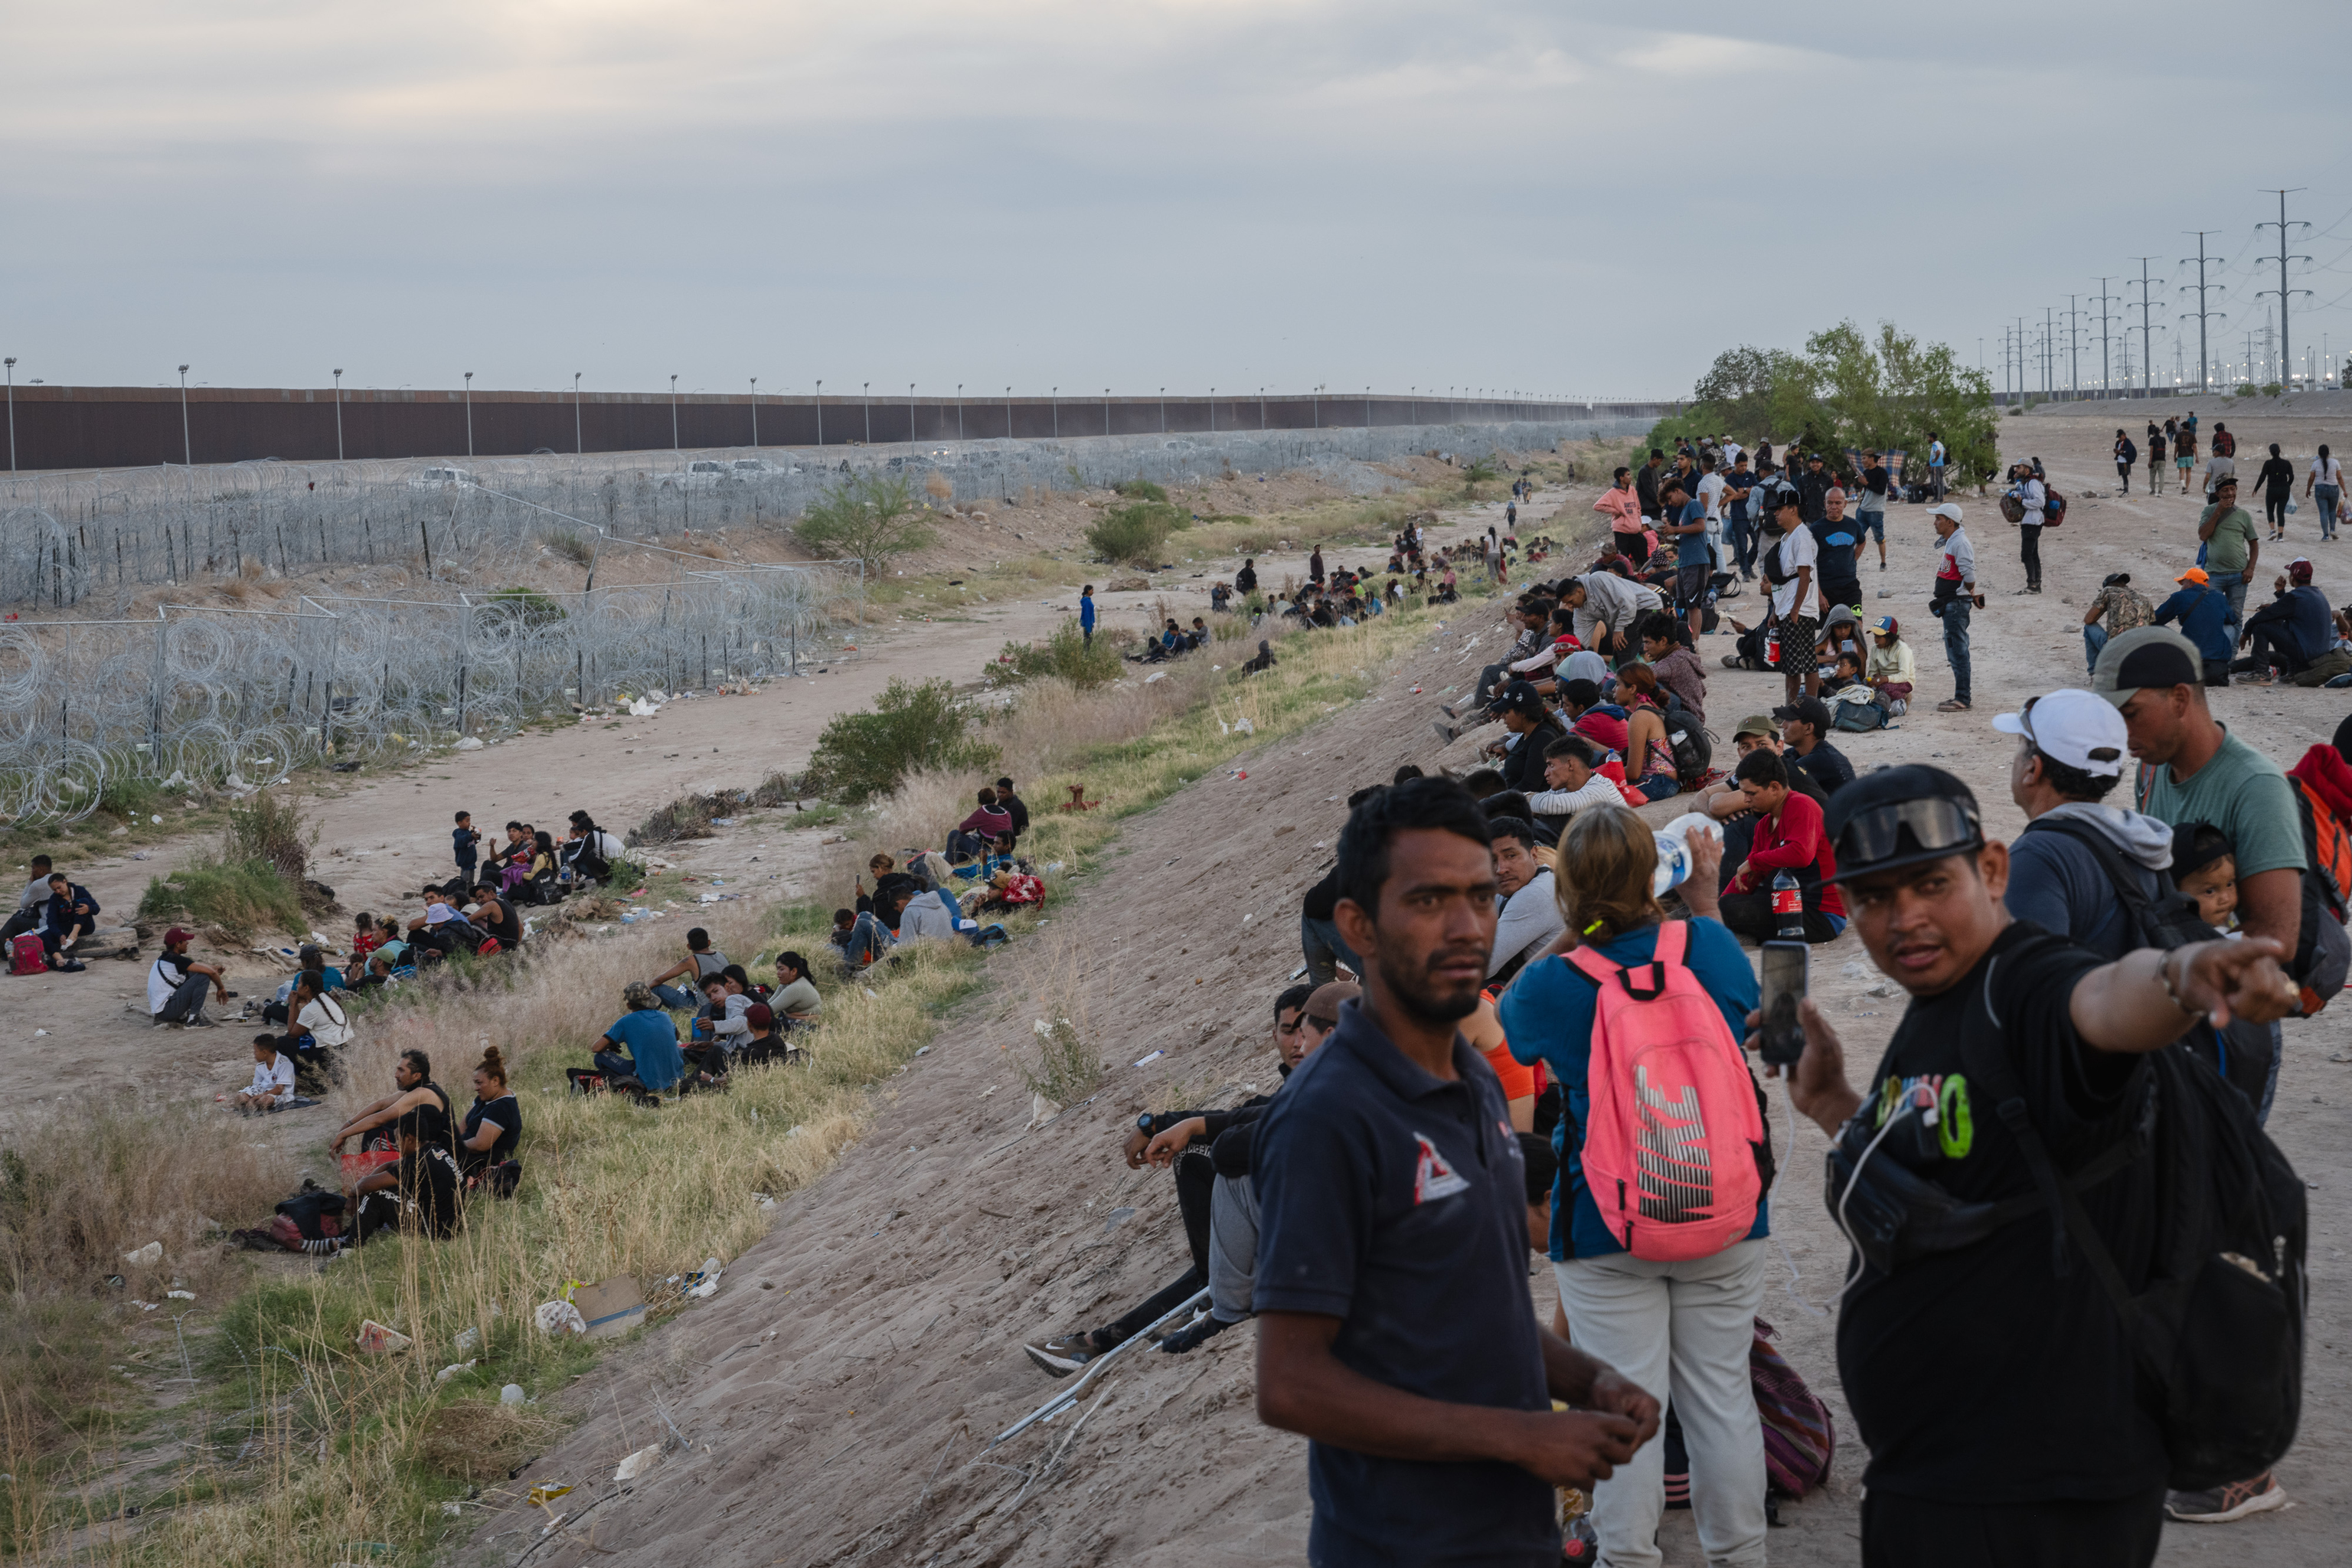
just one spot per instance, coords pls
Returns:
(2218, 1332)
(2240, 1053)
(307, 1208)
(1694, 749)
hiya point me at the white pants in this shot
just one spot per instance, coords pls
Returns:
(1682, 1331)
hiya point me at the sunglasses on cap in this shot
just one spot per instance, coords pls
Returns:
(1938, 827)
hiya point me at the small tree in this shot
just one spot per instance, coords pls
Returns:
(861, 755)
(871, 519)
(1135, 534)
(1477, 472)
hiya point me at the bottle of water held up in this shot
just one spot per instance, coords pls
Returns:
(1674, 850)
(1788, 908)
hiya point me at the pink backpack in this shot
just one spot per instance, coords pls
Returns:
(1674, 1136)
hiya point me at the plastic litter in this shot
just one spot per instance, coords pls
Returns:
(560, 1318)
(471, 1340)
(447, 1372)
(512, 1395)
(146, 1256)
(1152, 1057)
(378, 1340)
(180, 1295)
(703, 1283)
(638, 1463)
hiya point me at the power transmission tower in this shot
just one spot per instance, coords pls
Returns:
(2073, 351)
(2285, 375)
(2049, 346)
(2147, 353)
(2202, 313)
(2104, 299)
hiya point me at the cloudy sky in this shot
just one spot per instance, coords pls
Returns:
(1509, 194)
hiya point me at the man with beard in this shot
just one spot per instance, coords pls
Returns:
(1395, 1327)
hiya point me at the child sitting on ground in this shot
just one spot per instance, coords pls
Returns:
(2205, 867)
(367, 937)
(273, 1078)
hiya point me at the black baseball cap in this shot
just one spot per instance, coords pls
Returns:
(1901, 817)
(1521, 698)
(1807, 710)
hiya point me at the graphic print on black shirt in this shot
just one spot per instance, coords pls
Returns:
(1977, 1374)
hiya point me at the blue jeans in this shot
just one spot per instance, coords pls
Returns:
(1320, 944)
(670, 997)
(1739, 544)
(2233, 584)
(2094, 638)
(1955, 644)
(2328, 495)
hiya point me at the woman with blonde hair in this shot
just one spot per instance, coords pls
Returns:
(1678, 1329)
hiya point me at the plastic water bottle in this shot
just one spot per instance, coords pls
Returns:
(1788, 908)
(1674, 850)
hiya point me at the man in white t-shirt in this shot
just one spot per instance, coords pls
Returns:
(175, 986)
(1789, 557)
(1710, 496)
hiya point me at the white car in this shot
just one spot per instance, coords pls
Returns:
(439, 478)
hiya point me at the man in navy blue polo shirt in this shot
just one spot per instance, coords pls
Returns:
(1395, 1327)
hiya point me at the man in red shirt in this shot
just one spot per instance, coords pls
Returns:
(1789, 837)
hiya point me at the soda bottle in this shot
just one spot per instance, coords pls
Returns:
(1788, 908)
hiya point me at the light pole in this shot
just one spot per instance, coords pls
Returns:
(820, 411)
(1106, 410)
(11, 414)
(188, 448)
(1163, 410)
(755, 414)
(866, 398)
(1213, 411)
(339, 416)
(470, 415)
(1056, 398)
(911, 419)
(959, 411)
(673, 413)
(1261, 410)
(579, 440)
(1008, 414)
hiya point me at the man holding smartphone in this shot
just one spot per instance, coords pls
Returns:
(1955, 1476)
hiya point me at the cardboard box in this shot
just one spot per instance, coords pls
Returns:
(612, 1307)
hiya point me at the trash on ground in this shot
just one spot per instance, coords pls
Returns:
(611, 1307)
(378, 1340)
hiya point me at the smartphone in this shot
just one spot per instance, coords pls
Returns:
(1782, 1038)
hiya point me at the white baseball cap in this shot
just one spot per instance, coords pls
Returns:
(1950, 509)
(2076, 728)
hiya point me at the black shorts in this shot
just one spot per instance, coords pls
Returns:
(1691, 584)
(1800, 638)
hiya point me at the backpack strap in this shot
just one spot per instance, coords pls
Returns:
(2110, 860)
(1988, 1065)
(1673, 936)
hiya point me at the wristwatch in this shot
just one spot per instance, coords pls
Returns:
(1143, 1124)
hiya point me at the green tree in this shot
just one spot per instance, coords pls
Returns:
(871, 519)
(861, 755)
(1135, 534)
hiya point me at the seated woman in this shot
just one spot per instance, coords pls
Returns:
(417, 1196)
(794, 1001)
(414, 1094)
(647, 1033)
(493, 1127)
(1646, 746)
(321, 1029)
(540, 884)
(313, 965)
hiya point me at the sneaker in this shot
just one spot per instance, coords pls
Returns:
(1447, 709)
(201, 1022)
(1446, 731)
(1195, 1334)
(1063, 1356)
(2223, 1503)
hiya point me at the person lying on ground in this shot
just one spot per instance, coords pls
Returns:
(1527, 918)
(414, 1090)
(1010, 889)
(794, 998)
(642, 1042)
(493, 1127)
(418, 1196)
(175, 985)
(1183, 1139)
(1440, 1443)
(70, 915)
(273, 1078)
(702, 961)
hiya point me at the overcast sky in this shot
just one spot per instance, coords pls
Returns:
(1509, 194)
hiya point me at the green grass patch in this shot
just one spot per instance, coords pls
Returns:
(1065, 652)
(239, 896)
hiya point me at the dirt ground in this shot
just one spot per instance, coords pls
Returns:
(838, 1392)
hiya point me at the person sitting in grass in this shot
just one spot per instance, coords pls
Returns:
(649, 1038)
(720, 1020)
(795, 999)
(378, 975)
(414, 1093)
(367, 937)
(485, 1144)
(1009, 889)
(273, 1078)
(175, 986)
(702, 961)
(417, 1196)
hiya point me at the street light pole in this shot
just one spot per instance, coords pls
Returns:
(755, 414)
(1056, 397)
(1008, 414)
(866, 399)
(188, 448)
(11, 414)
(1163, 410)
(1106, 410)
(339, 416)
(673, 413)
(820, 411)
(579, 440)
(470, 415)
(959, 411)
(911, 419)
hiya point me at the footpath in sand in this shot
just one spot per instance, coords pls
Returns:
(837, 1393)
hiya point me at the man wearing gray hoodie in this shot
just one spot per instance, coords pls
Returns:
(2069, 757)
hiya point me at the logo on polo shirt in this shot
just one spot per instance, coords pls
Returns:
(1433, 1177)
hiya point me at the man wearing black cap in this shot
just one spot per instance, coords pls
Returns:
(2029, 1441)
(1534, 728)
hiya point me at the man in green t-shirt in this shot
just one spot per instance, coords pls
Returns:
(2233, 548)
